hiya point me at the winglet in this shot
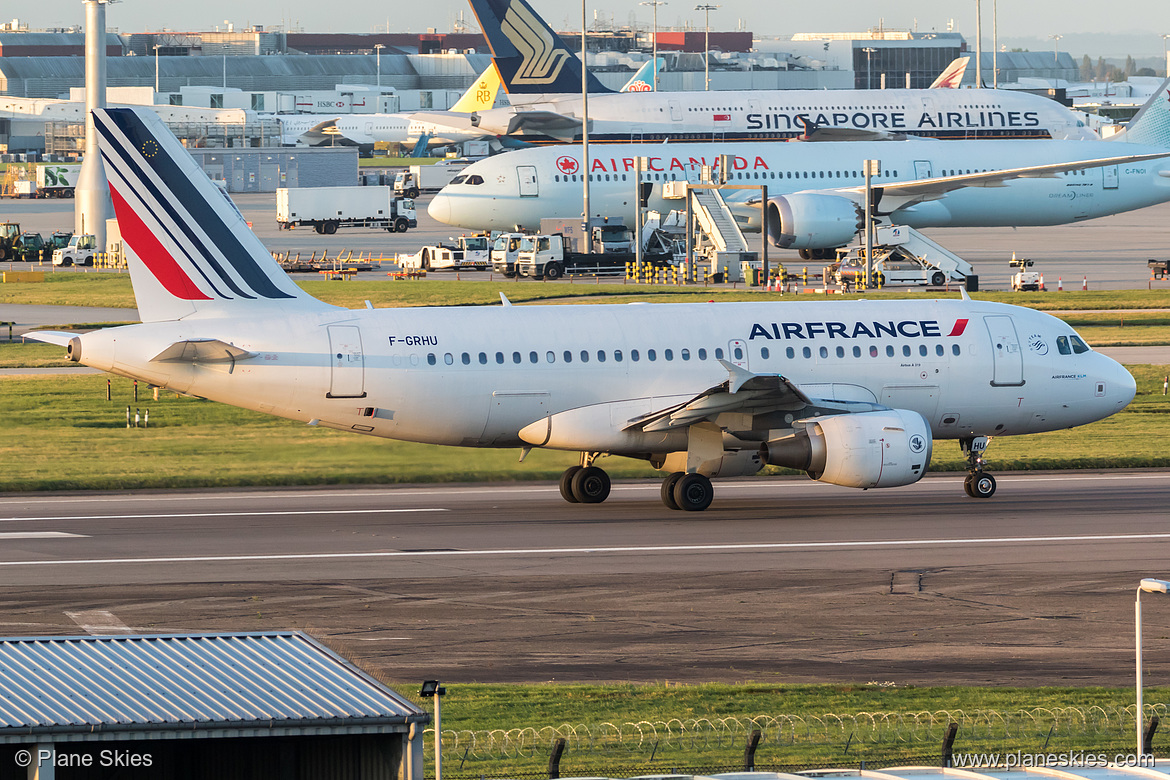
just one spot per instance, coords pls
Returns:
(963, 292)
(504, 299)
(737, 377)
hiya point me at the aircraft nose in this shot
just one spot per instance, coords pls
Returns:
(440, 208)
(1125, 384)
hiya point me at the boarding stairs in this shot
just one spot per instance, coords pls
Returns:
(717, 222)
(909, 241)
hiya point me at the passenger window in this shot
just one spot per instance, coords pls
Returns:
(550, 356)
(600, 356)
(686, 354)
(702, 353)
(533, 357)
(431, 358)
(516, 357)
(449, 359)
(414, 360)
(840, 352)
(873, 351)
(1062, 345)
(668, 354)
(634, 355)
(764, 353)
(651, 355)
(922, 350)
(1078, 345)
(568, 356)
(718, 353)
(889, 350)
(500, 358)
(466, 359)
(857, 352)
(954, 349)
(824, 352)
(584, 356)
(905, 350)
(807, 352)
(617, 356)
(938, 350)
(739, 353)
(483, 358)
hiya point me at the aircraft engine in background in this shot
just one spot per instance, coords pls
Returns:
(872, 449)
(813, 220)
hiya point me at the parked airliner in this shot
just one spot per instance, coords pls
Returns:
(816, 190)
(853, 392)
(542, 77)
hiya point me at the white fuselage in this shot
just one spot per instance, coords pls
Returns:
(524, 186)
(758, 115)
(476, 376)
(366, 129)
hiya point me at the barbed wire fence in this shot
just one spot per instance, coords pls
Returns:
(895, 733)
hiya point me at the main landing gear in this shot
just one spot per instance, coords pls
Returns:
(688, 492)
(585, 484)
(978, 483)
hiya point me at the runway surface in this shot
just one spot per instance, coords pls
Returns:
(781, 580)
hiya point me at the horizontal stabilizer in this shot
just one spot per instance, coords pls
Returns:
(59, 337)
(202, 351)
(550, 123)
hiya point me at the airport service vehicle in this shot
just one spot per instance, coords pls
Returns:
(470, 253)
(79, 251)
(426, 178)
(9, 232)
(59, 240)
(1024, 280)
(328, 208)
(30, 247)
(505, 250)
(24, 188)
(816, 191)
(57, 181)
(852, 392)
(543, 79)
(1159, 269)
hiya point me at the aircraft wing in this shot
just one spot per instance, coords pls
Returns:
(59, 337)
(742, 393)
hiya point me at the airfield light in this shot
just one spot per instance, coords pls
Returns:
(432, 688)
(1149, 585)
(869, 50)
(378, 51)
(156, 69)
(654, 4)
(707, 8)
(1056, 45)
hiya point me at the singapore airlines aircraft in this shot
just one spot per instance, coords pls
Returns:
(816, 190)
(403, 128)
(853, 392)
(543, 79)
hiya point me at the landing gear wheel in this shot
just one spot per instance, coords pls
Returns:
(982, 485)
(805, 254)
(590, 485)
(668, 489)
(693, 493)
(967, 485)
(567, 484)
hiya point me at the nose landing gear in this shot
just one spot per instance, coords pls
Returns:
(978, 483)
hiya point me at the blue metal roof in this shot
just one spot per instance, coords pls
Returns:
(284, 681)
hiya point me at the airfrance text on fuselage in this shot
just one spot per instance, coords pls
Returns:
(910, 329)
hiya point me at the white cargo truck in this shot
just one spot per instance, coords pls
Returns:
(328, 208)
(470, 253)
(57, 181)
(427, 178)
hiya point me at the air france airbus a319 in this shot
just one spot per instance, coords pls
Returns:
(852, 392)
(816, 191)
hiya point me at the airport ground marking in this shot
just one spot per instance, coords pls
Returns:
(188, 515)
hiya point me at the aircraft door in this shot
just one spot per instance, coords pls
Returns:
(346, 361)
(922, 169)
(675, 111)
(1109, 172)
(526, 174)
(1006, 354)
(737, 353)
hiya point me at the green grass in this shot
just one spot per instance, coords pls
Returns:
(507, 730)
(61, 433)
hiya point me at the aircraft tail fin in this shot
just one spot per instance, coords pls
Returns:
(1151, 125)
(481, 95)
(189, 249)
(952, 74)
(532, 59)
(643, 80)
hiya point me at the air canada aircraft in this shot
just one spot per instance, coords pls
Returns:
(816, 191)
(542, 77)
(852, 392)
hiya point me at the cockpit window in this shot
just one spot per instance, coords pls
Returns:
(1062, 345)
(1078, 346)
(459, 180)
(474, 179)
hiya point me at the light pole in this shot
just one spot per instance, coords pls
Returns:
(378, 51)
(1056, 45)
(978, 44)
(1165, 53)
(585, 128)
(654, 4)
(869, 50)
(707, 9)
(432, 688)
(156, 69)
(1149, 586)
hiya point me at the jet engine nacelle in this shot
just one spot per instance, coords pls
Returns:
(871, 449)
(813, 221)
